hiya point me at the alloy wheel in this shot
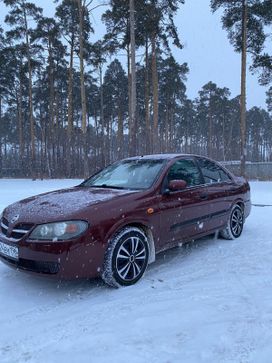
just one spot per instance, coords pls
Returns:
(131, 258)
(236, 222)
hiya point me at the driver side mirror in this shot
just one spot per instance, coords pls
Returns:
(177, 185)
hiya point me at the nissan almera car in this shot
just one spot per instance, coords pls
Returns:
(114, 223)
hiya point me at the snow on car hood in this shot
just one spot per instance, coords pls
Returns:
(59, 204)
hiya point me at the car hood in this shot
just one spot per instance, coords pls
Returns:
(60, 204)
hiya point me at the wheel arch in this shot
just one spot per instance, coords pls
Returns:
(150, 239)
(240, 203)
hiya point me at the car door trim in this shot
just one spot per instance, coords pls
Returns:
(200, 219)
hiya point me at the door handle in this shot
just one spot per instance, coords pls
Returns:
(204, 196)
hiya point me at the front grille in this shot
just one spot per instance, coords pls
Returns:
(4, 226)
(42, 267)
(21, 230)
(18, 232)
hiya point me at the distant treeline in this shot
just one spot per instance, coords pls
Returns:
(65, 105)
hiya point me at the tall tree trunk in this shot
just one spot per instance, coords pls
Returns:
(120, 133)
(96, 143)
(166, 142)
(70, 109)
(243, 89)
(102, 119)
(51, 154)
(129, 87)
(43, 158)
(224, 138)
(210, 132)
(57, 136)
(171, 131)
(132, 121)
(155, 86)
(147, 98)
(107, 151)
(81, 9)
(31, 115)
(20, 122)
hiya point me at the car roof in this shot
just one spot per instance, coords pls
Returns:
(176, 156)
(161, 156)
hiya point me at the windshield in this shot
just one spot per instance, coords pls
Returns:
(128, 174)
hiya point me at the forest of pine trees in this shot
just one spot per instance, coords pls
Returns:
(66, 103)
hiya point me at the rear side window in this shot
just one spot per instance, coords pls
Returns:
(185, 170)
(212, 173)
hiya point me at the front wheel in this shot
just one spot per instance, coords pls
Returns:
(235, 225)
(126, 258)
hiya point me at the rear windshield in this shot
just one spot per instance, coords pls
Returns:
(127, 174)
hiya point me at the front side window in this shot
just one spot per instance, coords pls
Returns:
(127, 174)
(212, 173)
(185, 170)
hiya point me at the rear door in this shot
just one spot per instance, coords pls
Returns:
(220, 188)
(183, 213)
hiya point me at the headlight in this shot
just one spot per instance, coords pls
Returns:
(59, 231)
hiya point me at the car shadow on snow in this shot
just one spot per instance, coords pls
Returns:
(184, 251)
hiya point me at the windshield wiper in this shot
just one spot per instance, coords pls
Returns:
(106, 186)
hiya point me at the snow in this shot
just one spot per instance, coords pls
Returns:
(210, 301)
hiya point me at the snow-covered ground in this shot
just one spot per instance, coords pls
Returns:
(210, 301)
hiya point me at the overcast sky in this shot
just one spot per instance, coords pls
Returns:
(206, 49)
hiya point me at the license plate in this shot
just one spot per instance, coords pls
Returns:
(9, 251)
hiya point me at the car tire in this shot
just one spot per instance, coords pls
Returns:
(235, 225)
(126, 258)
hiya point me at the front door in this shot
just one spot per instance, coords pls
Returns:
(183, 213)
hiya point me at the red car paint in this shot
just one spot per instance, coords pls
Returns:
(168, 218)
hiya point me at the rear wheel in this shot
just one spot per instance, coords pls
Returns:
(126, 258)
(235, 225)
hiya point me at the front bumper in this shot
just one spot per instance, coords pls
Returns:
(248, 207)
(41, 267)
(73, 259)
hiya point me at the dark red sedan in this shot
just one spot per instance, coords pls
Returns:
(113, 224)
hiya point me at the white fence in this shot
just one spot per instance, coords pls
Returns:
(254, 170)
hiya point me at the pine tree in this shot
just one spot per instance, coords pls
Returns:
(120, 19)
(269, 100)
(246, 34)
(98, 53)
(19, 20)
(47, 34)
(133, 96)
(116, 97)
(257, 123)
(3, 89)
(212, 113)
(68, 16)
(156, 24)
(262, 63)
(84, 31)
(172, 77)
